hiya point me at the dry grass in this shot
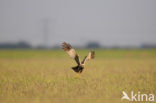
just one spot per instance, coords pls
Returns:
(31, 76)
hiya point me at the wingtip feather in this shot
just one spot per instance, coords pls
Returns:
(92, 54)
(66, 46)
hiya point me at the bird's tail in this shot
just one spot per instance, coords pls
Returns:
(77, 69)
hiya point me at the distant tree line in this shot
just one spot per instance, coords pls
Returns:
(91, 44)
(148, 46)
(21, 44)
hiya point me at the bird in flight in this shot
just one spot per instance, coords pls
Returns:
(72, 53)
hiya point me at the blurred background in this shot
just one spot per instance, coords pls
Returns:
(82, 23)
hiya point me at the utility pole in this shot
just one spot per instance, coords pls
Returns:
(46, 31)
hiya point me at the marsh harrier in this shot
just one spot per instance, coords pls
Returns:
(72, 53)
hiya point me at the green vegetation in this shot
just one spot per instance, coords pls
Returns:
(44, 76)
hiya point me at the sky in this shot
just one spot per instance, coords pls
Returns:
(109, 22)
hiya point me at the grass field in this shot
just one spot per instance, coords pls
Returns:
(45, 76)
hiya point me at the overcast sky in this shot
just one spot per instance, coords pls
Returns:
(110, 22)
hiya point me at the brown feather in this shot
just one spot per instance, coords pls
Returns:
(66, 46)
(90, 56)
(71, 52)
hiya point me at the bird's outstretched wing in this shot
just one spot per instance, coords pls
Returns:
(71, 52)
(90, 56)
